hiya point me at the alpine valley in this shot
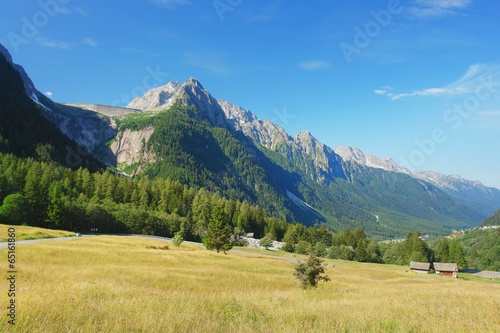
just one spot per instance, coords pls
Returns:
(181, 132)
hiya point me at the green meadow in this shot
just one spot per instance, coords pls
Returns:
(131, 284)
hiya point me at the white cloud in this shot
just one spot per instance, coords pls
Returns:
(383, 91)
(313, 65)
(380, 91)
(170, 4)
(435, 8)
(429, 92)
(49, 93)
(445, 3)
(468, 83)
(57, 44)
(46, 42)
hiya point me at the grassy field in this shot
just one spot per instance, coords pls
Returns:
(121, 284)
(24, 232)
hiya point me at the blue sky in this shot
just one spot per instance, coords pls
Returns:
(416, 80)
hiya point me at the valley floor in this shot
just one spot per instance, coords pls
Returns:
(118, 284)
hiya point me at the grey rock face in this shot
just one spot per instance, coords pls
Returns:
(156, 98)
(355, 155)
(129, 147)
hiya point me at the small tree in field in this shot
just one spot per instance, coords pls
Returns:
(177, 239)
(266, 241)
(309, 272)
(218, 236)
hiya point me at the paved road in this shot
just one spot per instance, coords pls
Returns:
(33, 241)
(486, 274)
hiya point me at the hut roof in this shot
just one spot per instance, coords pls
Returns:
(420, 265)
(445, 267)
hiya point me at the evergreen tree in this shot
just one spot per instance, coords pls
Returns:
(218, 236)
(374, 252)
(443, 250)
(415, 249)
(361, 253)
(177, 239)
(56, 207)
(457, 254)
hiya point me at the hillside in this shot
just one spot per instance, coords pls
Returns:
(204, 142)
(492, 220)
(481, 248)
(128, 284)
(25, 132)
(304, 176)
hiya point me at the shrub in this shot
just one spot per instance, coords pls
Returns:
(309, 272)
(177, 239)
(266, 241)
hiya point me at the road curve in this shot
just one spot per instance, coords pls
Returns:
(33, 241)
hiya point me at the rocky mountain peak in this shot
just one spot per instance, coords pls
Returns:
(192, 81)
(156, 98)
(354, 154)
(307, 142)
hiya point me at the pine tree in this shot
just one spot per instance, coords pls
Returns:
(218, 236)
(55, 208)
(457, 254)
(361, 253)
(443, 250)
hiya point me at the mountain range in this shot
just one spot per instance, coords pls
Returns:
(181, 131)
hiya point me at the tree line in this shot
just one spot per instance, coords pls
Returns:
(45, 194)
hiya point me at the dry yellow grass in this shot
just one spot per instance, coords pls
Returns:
(116, 284)
(24, 232)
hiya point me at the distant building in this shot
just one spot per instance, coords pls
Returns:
(446, 269)
(420, 267)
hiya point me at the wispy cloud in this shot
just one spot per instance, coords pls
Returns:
(430, 92)
(170, 4)
(89, 42)
(49, 93)
(468, 83)
(57, 44)
(315, 65)
(383, 91)
(50, 43)
(436, 8)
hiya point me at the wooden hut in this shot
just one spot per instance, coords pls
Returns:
(420, 267)
(446, 269)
